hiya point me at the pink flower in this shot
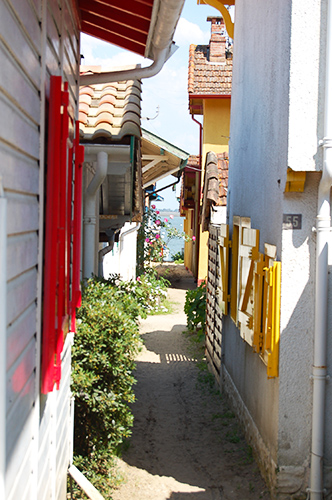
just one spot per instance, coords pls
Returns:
(138, 278)
(153, 206)
(157, 212)
(194, 238)
(157, 236)
(165, 220)
(171, 216)
(147, 240)
(157, 222)
(160, 254)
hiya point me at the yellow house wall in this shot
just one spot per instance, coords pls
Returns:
(216, 124)
(188, 246)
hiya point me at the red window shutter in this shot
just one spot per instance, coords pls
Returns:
(77, 229)
(58, 233)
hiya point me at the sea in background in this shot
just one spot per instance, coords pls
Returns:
(175, 244)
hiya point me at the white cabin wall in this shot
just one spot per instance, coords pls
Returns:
(19, 167)
(128, 251)
(122, 259)
(38, 435)
(56, 427)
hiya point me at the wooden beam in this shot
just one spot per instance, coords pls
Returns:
(84, 484)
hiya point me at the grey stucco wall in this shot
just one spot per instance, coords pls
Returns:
(259, 116)
(297, 327)
(257, 176)
(276, 122)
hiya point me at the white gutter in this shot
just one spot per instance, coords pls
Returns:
(160, 49)
(3, 338)
(127, 74)
(323, 227)
(91, 212)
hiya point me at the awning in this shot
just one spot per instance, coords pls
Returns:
(160, 158)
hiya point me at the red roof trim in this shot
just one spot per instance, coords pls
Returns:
(115, 29)
(109, 13)
(125, 23)
(113, 38)
(209, 96)
(137, 7)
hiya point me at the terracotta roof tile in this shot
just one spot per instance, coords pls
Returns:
(205, 77)
(223, 178)
(110, 111)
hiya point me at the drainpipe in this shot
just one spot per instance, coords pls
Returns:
(91, 214)
(199, 193)
(3, 337)
(323, 227)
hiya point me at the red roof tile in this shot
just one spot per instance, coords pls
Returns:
(205, 77)
(210, 67)
(223, 178)
(110, 111)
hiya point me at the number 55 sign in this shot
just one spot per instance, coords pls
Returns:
(292, 221)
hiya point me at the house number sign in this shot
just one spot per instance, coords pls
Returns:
(292, 221)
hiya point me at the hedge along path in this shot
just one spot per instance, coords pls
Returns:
(186, 441)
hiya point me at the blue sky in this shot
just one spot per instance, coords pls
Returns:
(167, 91)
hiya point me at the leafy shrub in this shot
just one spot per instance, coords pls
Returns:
(106, 343)
(195, 308)
(148, 292)
(178, 257)
(101, 471)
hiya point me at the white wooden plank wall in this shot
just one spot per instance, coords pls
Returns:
(55, 437)
(19, 167)
(31, 426)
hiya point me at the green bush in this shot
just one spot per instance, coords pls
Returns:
(178, 257)
(195, 308)
(106, 343)
(148, 292)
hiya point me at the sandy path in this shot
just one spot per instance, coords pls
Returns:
(185, 440)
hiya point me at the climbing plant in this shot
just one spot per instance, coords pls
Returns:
(195, 309)
(153, 238)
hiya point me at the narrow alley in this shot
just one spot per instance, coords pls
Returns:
(186, 442)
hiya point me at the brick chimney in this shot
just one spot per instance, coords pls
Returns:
(217, 40)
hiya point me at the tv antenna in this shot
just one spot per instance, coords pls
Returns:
(154, 117)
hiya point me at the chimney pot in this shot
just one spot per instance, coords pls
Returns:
(217, 40)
